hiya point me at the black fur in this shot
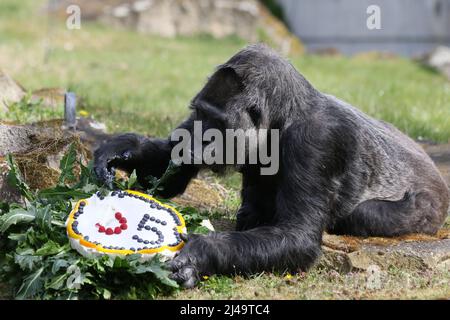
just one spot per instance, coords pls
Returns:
(340, 171)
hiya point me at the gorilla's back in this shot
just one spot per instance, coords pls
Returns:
(394, 163)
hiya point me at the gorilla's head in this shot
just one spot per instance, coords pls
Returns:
(254, 89)
(251, 91)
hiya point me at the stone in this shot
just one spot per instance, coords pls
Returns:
(91, 132)
(410, 256)
(37, 149)
(52, 98)
(277, 33)
(413, 252)
(439, 59)
(218, 18)
(222, 224)
(201, 195)
(248, 19)
(10, 91)
(346, 254)
(7, 193)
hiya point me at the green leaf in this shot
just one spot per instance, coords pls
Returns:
(16, 180)
(160, 273)
(132, 180)
(106, 294)
(58, 264)
(201, 230)
(62, 192)
(39, 260)
(67, 164)
(87, 176)
(120, 263)
(4, 207)
(14, 217)
(49, 248)
(44, 217)
(19, 237)
(31, 285)
(27, 260)
(89, 188)
(158, 184)
(57, 282)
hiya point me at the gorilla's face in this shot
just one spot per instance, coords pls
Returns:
(225, 105)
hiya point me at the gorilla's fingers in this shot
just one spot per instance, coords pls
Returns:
(187, 277)
(104, 175)
(184, 237)
(127, 155)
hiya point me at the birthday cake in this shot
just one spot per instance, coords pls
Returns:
(125, 222)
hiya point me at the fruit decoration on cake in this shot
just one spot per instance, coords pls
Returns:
(125, 222)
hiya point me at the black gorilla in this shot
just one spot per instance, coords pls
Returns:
(340, 171)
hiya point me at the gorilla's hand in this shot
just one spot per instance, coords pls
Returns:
(192, 261)
(119, 152)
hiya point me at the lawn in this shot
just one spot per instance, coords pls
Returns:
(144, 84)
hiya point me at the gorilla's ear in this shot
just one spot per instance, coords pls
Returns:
(223, 85)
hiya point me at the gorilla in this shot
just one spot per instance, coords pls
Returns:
(340, 171)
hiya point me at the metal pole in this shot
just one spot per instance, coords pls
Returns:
(70, 110)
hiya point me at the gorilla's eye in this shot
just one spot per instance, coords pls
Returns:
(206, 111)
(254, 114)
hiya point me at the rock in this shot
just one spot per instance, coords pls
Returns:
(353, 254)
(92, 133)
(439, 59)
(276, 34)
(10, 91)
(248, 19)
(201, 195)
(51, 97)
(327, 52)
(37, 149)
(221, 224)
(413, 252)
(7, 193)
(374, 55)
(414, 255)
(218, 18)
(334, 260)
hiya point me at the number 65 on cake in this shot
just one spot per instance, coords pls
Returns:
(125, 222)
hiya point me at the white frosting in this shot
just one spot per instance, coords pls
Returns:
(102, 212)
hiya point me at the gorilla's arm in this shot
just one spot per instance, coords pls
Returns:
(258, 200)
(147, 156)
(291, 243)
(131, 152)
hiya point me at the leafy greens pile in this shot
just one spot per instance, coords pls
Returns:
(36, 260)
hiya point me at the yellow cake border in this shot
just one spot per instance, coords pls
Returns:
(99, 248)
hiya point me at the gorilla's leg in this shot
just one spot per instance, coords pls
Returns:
(147, 156)
(292, 243)
(415, 213)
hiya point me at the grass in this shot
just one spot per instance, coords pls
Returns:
(144, 84)
(320, 284)
(140, 83)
